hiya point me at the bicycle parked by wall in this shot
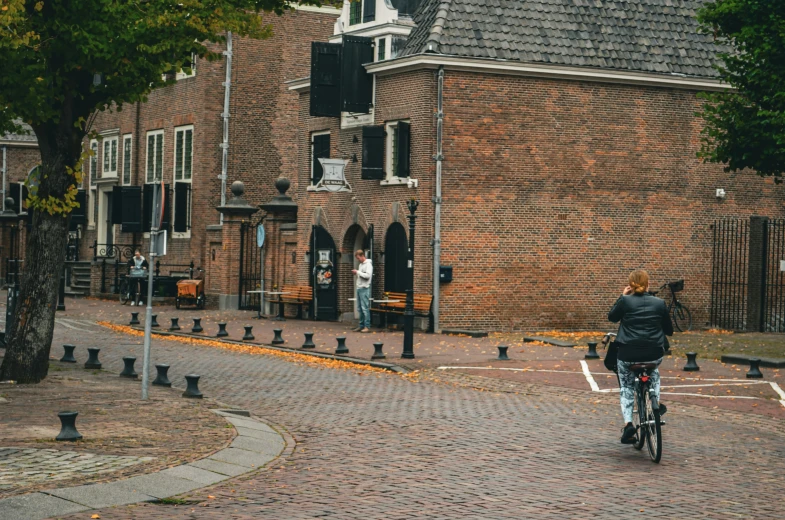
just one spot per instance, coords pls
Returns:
(682, 319)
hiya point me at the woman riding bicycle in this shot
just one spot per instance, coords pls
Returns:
(641, 339)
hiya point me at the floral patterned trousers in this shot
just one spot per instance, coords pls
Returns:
(627, 385)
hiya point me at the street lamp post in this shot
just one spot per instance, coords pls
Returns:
(408, 313)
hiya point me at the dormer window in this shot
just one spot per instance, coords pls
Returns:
(355, 12)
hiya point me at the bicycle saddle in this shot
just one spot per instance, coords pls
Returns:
(640, 367)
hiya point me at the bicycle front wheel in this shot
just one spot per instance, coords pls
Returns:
(682, 319)
(639, 420)
(653, 428)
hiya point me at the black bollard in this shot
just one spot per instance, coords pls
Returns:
(277, 339)
(503, 353)
(309, 340)
(92, 358)
(377, 351)
(221, 331)
(154, 322)
(248, 334)
(592, 353)
(129, 371)
(134, 318)
(162, 379)
(68, 430)
(68, 357)
(192, 388)
(175, 324)
(197, 325)
(754, 372)
(342, 349)
(692, 365)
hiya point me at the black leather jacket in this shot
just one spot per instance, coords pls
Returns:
(644, 321)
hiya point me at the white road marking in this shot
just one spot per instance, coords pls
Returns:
(714, 396)
(69, 323)
(779, 391)
(589, 378)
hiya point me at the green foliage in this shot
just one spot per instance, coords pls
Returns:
(51, 51)
(745, 126)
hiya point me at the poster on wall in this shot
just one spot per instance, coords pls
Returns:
(324, 269)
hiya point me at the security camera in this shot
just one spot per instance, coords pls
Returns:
(412, 183)
(720, 193)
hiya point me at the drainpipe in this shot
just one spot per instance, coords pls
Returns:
(4, 170)
(225, 143)
(437, 201)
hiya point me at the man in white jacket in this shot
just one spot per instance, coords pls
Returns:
(364, 273)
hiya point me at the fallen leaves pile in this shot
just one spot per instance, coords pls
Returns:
(253, 349)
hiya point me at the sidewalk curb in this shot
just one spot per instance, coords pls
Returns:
(255, 446)
(385, 366)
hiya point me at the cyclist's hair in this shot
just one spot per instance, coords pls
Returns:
(639, 281)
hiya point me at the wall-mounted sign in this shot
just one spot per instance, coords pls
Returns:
(259, 235)
(324, 268)
(333, 178)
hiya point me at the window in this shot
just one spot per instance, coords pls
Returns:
(320, 149)
(382, 45)
(188, 70)
(110, 157)
(397, 149)
(127, 142)
(155, 155)
(92, 207)
(355, 12)
(183, 174)
(93, 162)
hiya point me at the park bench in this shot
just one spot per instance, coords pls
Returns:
(298, 295)
(422, 306)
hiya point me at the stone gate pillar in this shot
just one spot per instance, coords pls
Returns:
(280, 227)
(235, 212)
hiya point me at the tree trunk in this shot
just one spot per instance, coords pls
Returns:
(29, 335)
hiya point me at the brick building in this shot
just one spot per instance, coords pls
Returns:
(179, 135)
(566, 156)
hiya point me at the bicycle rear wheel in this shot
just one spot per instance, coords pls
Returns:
(124, 291)
(652, 426)
(639, 420)
(682, 319)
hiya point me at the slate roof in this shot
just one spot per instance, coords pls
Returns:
(29, 137)
(655, 36)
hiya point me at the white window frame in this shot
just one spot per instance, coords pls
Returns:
(157, 166)
(175, 180)
(389, 176)
(92, 169)
(109, 159)
(312, 187)
(130, 139)
(381, 45)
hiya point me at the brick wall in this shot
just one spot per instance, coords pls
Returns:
(554, 191)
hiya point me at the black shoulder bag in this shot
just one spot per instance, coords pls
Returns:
(611, 357)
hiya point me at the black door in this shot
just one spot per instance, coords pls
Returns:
(109, 227)
(395, 253)
(324, 274)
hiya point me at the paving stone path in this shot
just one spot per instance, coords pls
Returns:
(27, 466)
(372, 445)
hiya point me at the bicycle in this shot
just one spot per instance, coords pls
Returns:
(682, 318)
(125, 290)
(646, 408)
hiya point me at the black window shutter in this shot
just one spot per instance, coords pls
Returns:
(147, 208)
(403, 147)
(79, 215)
(181, 203)
(373, 153)
(16, 192)
(369, 10)
(117, 204)
(166, 223)
(325, 79)
(356, 83)
(132, 209)
(321, 149)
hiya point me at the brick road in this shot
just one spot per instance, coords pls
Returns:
(370, 445)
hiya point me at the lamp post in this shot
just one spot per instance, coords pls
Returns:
(408, 313)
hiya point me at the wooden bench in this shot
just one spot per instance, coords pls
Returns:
(298, 295)
(422, 305)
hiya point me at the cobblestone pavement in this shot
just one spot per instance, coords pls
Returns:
(20, 466)
(123, 436)
(444, 444)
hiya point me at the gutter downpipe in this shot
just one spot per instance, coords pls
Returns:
(225, 143)
(5, 167)
(437, 200)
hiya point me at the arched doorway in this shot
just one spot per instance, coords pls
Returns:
(356, 238)
(324, 275)
(395, 256)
